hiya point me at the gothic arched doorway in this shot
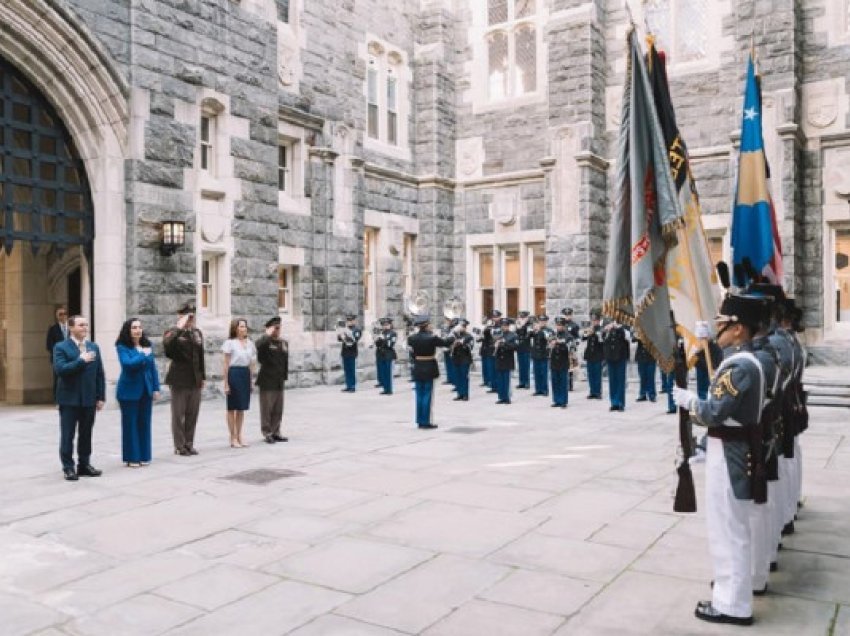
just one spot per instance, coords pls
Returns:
(46, 234)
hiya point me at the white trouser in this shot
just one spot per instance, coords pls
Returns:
(728, 521)
(796, 477)
(776, 510)
(789, 487)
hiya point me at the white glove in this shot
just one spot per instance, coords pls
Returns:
(701, 329)
(684, 398)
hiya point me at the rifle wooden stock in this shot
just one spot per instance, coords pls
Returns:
(686, 497)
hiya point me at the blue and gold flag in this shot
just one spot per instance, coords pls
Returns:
(644, 220)
(755, 233)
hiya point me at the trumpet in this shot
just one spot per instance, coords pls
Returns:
(344, 333)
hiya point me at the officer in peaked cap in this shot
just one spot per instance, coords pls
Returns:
(575, 333)
(504, 346)
(349, 337)
(523, 351)
(593, 354)
(385, 354)
(540, 354)
(273, 356)
(424, 345)
(488, 361)
(735, 472)
(461, 344)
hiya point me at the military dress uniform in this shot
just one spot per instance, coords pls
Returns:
(273, 356)
(575, 333)
(615, 347)
(425, 370)
(593, 357)
(734, 470)
(504, 361)
(487, 352)
(540, 355)
(559, 363)
(385, 354)
(523, 351)
(445, 332)
(460, 349)
(349, 355)
(646, 372)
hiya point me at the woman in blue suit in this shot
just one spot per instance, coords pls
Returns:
(138, 386)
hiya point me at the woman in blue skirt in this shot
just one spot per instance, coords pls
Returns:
(240, 356)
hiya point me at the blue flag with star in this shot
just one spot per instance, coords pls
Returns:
(755, 233)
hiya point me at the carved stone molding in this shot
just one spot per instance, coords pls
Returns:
(825, 106)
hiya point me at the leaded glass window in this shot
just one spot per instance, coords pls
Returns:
(511, 41)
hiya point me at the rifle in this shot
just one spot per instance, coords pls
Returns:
(686, 497)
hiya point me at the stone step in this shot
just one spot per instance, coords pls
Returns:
(827, 390)
(828, 400)
(837, 354)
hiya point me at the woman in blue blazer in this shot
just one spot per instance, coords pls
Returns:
(138, 386)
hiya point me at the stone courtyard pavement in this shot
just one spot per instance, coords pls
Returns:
(517, 520)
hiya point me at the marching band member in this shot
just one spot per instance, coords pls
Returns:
(460, 348)
(445, 332)
(593, 355)
(523, 351)
(540, 354)
(646, 372)
(615, 346)
(730, 412)
(349, 339)
(504, 345)
(559, 362)
(385, 353)
(425, 368)
(574, 331)
(488, 362)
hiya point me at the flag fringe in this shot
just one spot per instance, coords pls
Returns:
(615, 309)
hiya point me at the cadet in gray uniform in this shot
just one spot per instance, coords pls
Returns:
(731, 412)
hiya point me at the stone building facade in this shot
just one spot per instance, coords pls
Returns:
(333, 157)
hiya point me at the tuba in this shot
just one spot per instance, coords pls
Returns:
(416, 305)
(453, 308)
(344, 333)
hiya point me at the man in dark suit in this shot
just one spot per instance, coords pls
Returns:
(56, 333)
(425, 369)
(80, 392)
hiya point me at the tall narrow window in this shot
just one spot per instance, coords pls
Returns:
(372, 90)
(486, 282)
(715, 249)
(284, 289)
(538, 279)
(207, 132)
(842, 276)
(208, 284)
(511, 280)
(284, 163)
(681, 27)
(511, 40)
(369, 244)
(392, 109)
(408, 263)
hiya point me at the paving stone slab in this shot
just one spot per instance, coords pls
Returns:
(419, 598)
(245, 549)
(216, 586)
(332, 625)
(139, 616)
(455, 529)
(506, 498)
(20, 616)
(494, 619)
(348, 564)
(543, 592)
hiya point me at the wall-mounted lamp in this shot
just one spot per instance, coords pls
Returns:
(173, 236)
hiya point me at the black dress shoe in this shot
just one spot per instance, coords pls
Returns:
(70, 474)
(652, 399)
(501, 401)
(774, 566)
(280, 438)
(492, 391)
(428, 426)
(760, 592)
(457, 399)
(706, 611)
(642, 398)
(88, 471)
(269, 439)
(378, 386)
(671, 411)
(612, 408)
(788, 529)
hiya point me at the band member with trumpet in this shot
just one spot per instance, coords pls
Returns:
(593, 354)
(504, 345)
(461, 344)
(540, 354)
(615, 346)
(574, 331)
(523, 350)
(445, 331)
(488, 363)
(559, 346)
(385, 341)
(424, 345)
(349, 335)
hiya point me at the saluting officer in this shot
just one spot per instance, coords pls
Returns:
(460, 348)
(425, 368)
(273, 356)
(540, 354)
(523, 350)
(730, 412)
(350, 339)
(385, 353)
(503, 348)
(615, 345)
(593, 355)
(574, 331)
(559, 363)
